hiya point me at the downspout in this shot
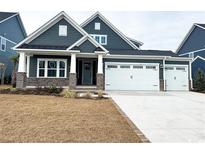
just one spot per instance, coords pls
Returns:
(164, 73)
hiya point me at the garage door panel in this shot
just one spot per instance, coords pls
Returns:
(132, 77)
(177, 77)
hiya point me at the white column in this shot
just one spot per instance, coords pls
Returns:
(22, 62)
(27, 65)
(164, 74)
(73, 63)
(100, 64)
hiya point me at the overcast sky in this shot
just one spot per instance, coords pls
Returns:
(157, 30)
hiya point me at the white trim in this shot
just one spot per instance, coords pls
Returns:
(100, 64)
(46, 87)
(46, 67)
(190, 74)
(111, 26)
(134, 40)
(131, 63)
(22, 62)
(187, 35)
(197, 58)
(185, 38)
(100, 38)
(192, 52)
(164, 73)
(8, 40)
(8, 18)
(73, 63)
(97, 25)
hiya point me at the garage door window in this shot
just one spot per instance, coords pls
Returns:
(181, 68)
(151, 67)
(124, 66)
(111, 66)
(137, 67)
(169, 68)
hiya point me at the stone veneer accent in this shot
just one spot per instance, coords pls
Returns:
(161, 86)
(20, 80)
(72, 80)
(100, 81)
(46, 82)
(190, 85)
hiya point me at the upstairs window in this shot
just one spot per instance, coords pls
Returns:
(101, 39)
(3, 44)
(97, 26)
(62, 30)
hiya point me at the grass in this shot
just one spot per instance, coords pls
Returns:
(33, 118)
(5, 86)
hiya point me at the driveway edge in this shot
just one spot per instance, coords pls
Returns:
(142, 137)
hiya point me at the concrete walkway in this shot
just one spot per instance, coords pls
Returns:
(165, 116)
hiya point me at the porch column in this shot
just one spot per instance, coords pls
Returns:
(72, 75)
(190, 76)
(21, 74)
(73, 63)
(27, 65)
(100, 75)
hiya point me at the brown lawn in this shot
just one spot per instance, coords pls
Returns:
(29, 118)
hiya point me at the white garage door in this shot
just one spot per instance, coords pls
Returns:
(129, 76)
(176, 77)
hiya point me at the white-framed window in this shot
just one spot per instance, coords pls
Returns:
(3, 44)
(51, 68)
(102, 39)
(191, 55)
(63, 30)
(97, 26)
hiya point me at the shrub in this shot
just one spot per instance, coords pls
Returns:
(54, 89)
(100, 94)
(88, 95)
(68, 94)
(199, 81)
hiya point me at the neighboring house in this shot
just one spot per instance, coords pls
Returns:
(11, 32)
(193, 46)
(96, 55)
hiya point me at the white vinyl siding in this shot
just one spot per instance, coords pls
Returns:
(101, 39)
(63, 30)
(51, 68)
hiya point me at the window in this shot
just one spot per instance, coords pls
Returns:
(124, 66)
(51, 68)
(97, 26)
(3, 44)
(169, 68)
(62, 30)
(112, 66)
(102, 39)
(151, 67)
(180, 68)
(138, 67)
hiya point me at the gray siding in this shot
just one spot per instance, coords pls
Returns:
(114, 41)
(194, 42)
(5, 58)
(11, 29)
(87, 47)
(51, 36)
(33, 63)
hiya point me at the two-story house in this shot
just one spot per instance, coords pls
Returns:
(96, 55)
(193, 46)
(12, 32)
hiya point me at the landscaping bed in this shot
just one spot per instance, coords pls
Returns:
(34, 118)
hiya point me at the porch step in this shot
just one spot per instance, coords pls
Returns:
(86, 88)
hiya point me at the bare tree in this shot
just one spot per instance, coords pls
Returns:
(15, 60)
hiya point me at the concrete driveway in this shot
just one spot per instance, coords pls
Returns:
(165, 116)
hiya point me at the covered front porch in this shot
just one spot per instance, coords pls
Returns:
(82, 71)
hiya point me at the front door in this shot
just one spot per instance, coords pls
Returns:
(87, 73)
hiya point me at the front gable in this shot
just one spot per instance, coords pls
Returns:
(12, 29)
(195, 41)
(87, 47)
(51, 36)
(114, 40)
(198, 63)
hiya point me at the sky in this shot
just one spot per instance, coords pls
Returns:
(161, 30)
